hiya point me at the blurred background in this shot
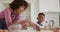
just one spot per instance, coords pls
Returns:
(49, 7)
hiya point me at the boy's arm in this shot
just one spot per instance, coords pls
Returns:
(34, 26)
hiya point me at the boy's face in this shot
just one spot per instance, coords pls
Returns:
(40, 18)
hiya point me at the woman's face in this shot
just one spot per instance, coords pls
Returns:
(20, 9)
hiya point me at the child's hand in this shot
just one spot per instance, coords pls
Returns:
(55, 29)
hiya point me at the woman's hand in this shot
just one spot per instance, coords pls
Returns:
(23, 22)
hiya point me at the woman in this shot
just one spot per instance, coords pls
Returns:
(11, 14)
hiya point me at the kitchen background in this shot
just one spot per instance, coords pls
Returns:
(49, 7)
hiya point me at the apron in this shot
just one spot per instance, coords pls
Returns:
(3, 25)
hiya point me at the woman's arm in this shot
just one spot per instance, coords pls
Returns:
(16, 19)
(24, 23)
(8, 18)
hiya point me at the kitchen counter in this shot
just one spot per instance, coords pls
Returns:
(30, 30)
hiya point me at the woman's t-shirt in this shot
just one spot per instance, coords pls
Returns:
(6, 13)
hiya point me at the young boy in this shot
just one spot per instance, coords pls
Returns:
(43, 23)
